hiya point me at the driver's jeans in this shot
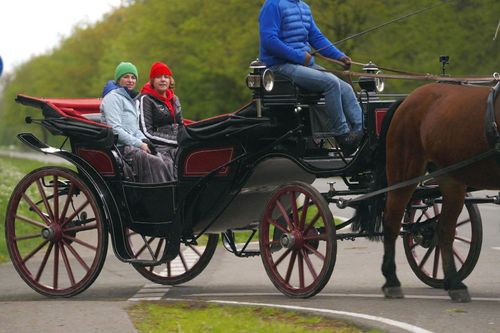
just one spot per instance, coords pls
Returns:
(341, 102)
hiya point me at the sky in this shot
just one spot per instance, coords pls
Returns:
(33, 27)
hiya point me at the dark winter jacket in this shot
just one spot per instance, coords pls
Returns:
(157, 122)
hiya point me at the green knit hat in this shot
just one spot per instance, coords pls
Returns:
(125, 68)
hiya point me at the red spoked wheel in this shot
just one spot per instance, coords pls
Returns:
(423, 252)
(190, 262)
(297, 240)
(55, 232)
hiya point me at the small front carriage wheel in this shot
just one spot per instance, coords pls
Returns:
(191, 261)
(298, 240)
(55, 231)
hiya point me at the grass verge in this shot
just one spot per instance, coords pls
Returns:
(194, 317)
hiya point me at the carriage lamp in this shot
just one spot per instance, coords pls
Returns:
(260, 77)
(371, 83)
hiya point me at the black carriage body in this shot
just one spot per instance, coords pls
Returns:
(228, 166)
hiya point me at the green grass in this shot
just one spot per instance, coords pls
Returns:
(11, 172)
(194, 317)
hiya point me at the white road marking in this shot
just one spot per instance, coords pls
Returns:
(496, 248)
(391, 322)
(150, 292)
(487, 299)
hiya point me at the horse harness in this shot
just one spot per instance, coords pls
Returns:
(491, 126)
(493, 138)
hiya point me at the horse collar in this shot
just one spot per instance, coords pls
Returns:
(492, 134)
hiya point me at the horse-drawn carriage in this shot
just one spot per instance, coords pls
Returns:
(244, 174)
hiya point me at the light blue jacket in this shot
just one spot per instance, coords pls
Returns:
(120, 112)
(287, 31)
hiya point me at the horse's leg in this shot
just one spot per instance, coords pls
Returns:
(453, 201)
(394, 209)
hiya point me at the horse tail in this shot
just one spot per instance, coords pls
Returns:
(368, 217)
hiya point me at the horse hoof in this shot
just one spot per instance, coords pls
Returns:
(393, 292)
(459, 295)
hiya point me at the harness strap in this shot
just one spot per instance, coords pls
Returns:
(416, 180)
(491, 127)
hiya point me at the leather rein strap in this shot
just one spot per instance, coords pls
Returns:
(404, 75)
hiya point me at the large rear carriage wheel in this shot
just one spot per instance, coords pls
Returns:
(190, 262)
(55, 231)
(423, 252)
(297, 240)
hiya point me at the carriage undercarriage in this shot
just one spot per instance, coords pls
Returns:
(58, 219)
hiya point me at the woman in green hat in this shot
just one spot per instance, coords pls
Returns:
(119, 111)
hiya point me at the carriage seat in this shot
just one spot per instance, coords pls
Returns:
(286, 92)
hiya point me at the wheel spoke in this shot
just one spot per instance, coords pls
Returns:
(56, 200)
(67, 264)
(277, 225)
(458, 256)
(291, 263)
(283, 256)
(158, 248)
(56, 267)
(69, 198)
(35, 251)
(284, 213)
(30, 221)
(76, 240)
(295, 211)
(44, 262)
(301, 269)
(195, 250)
(462, 239)
(44, 198)
(183, 260)
(426, 256)
(76, 255)
(305, 207)
(313, 250)
(25, 237)
(36, 209)
(436, 263)
(461, 223)
(309, 264)
(313, 222)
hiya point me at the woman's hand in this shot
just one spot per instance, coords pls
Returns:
(145, 147)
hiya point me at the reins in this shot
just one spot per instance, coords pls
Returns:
(405, 75)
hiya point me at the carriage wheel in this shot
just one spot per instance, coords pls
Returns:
(190, 262)
(423, 253)
(299, 258)
(56, 235)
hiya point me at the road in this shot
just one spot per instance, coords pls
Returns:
(353, 293)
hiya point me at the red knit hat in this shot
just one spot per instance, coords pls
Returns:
(158, 69)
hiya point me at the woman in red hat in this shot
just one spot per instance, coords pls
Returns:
(160, 112)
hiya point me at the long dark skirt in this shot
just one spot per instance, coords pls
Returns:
(148, 168)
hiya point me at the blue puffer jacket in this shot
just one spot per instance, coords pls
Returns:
(287, 32)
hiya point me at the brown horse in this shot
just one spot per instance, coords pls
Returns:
(442, 124)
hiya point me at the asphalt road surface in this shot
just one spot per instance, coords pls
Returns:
(353, 293)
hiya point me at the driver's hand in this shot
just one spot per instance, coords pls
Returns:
(307, 60)
(347, 62)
